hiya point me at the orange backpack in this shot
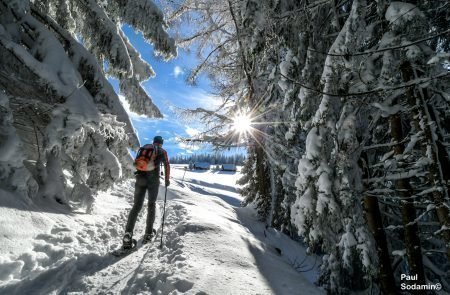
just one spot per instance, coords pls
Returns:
(145, 158)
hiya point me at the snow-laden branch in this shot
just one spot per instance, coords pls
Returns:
(101, 37)
(419, 82)
(147, 18)
(346, 55)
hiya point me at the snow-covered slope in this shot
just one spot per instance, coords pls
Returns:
(210, 246)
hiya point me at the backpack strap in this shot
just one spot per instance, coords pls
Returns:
(146, 151)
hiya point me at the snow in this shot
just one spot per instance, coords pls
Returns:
(400, 11)
(211, 245)
(313, 143)
(346, 243)
(386, 110)
(414, 139)
(399, 252)
(440, 57)
(10, 141)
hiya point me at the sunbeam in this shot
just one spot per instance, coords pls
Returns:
(242, 123)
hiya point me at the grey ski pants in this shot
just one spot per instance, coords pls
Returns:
(145, 182)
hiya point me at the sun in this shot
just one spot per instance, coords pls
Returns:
(242, 123)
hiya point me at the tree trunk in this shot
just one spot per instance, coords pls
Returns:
(412, 240)
(263, 180)
(375, 223)
(435, 173)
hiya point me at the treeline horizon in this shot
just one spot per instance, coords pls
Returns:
(213, 159)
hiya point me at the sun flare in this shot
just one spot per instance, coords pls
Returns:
(242, 123)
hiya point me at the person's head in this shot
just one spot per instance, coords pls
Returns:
(158, 140)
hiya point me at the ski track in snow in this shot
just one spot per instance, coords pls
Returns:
(210, 247)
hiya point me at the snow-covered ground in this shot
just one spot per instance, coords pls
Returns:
(210, 246)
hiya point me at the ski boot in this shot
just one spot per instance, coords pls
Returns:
(127, 241)
(128, 246)
(148, 237)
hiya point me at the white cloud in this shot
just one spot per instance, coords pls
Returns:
(192, 131)
(188, 147)
(191, 97)
(171, 140)
(198, 98)
(177, 71)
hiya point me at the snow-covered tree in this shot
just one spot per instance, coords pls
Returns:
(349, 108)
(70, 132)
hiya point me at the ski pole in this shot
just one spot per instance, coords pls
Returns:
(164, 214)
(185, 169)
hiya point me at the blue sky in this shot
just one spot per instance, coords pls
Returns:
(169, 91)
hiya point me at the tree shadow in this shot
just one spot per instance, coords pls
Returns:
(31, 206)
(199, 170)
(66, 276)
(269, 263)
(234, 202)
(277, 253)
(224, 172)
(13, 201)
(212, 185)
